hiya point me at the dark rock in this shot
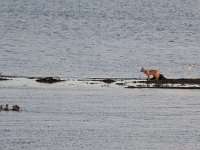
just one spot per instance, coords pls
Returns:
(121, 84)
(108, 81)
(174, 81)
(3, 79)
(161, 77)
(163, 87)
(49, 80)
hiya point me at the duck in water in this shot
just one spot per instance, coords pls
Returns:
(1, 107)
(6, 108)
(15, 108)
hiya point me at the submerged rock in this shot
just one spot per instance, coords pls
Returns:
(49, 80)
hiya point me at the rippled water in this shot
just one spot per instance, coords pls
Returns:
(98, 38)
(77, 115)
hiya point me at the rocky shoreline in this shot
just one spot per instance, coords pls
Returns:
(174, 81)
(3, 79)
(180, 83)
(49, 80)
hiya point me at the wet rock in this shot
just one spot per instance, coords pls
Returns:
(161, 77)
(181, 83)
(108, 81)
(120, 84)
(174, 81)
(162, 87)
(49, 80)
(3, 79)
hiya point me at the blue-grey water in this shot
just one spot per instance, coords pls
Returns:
(76, 115)
(98, 38)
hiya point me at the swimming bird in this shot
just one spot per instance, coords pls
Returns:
(6, 108)
(1, 107)
(15, 108)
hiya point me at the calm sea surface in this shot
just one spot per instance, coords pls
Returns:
(76, 115)
(98, 38)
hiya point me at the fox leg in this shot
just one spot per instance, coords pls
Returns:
(156, 78)
(157, 75)
(148, 77)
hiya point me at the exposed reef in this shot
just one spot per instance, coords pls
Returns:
(49, 80)
(105, 80)
(161, 77)
(182, 83)
(162, 87)
(162, 82)
(173, 81)
(3, 78)
(108, 81)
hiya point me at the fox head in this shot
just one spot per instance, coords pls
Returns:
(142, 69)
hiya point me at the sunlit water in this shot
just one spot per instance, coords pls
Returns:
(98, 38)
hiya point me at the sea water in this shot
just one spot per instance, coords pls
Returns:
(99, 38)
(75, 39)
(78, 115)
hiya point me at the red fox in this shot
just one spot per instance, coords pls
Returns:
(148, 72)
